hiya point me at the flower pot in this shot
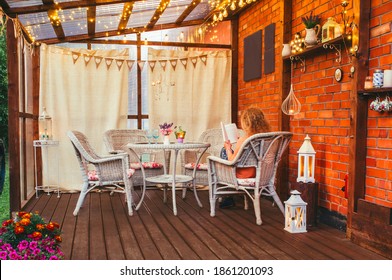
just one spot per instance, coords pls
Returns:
(312, 35)
(166, 140)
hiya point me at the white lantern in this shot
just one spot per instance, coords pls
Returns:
(306, 162)
(45, 126)
(295, 213)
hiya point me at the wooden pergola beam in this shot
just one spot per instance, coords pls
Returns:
(56, 23)
(127, 11)
(63, 6)
(91, 18)
(187, 11)
(158, 12)
(156, 43)
(117, 32)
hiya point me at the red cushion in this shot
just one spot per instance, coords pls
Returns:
(146, 165)
(200, 166)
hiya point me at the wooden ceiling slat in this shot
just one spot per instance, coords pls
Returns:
(127, 11)
(158, 12)
(187, 11)
(91, 18)
(64, 6)
(104, 34)
(55, 20)
(156, 43)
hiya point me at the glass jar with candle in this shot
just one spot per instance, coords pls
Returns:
(368, 82)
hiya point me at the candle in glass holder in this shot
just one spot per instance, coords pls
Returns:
(368, 82)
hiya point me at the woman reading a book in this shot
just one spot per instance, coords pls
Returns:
(252, 122)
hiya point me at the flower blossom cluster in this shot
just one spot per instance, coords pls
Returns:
(166, 128)
(28, 237)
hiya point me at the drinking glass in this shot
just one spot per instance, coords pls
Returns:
(155, 135)
(149, 135)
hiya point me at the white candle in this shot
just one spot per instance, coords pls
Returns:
(387, 78)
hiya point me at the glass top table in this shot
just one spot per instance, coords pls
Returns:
(170, 179)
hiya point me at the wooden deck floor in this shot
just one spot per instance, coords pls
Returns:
(103, 230)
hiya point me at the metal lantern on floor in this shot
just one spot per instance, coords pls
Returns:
(295, 213)
(45, 126)
(306, 162)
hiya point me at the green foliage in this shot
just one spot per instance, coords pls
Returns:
(3, 91)
(5, 196)
(310, 21)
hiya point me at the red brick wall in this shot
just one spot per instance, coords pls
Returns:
(379, 142)
(325, 102)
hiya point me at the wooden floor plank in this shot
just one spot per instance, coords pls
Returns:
(190, 247)
(169, 227)
(80, 246)
(68, 227)
(104, 230)
(96, 234)
(239, 247)
(113, 243)
(131, 246)
(161, 242)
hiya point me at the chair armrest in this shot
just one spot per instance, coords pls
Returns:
(222, 170)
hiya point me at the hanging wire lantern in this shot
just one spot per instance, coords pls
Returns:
(291, 105)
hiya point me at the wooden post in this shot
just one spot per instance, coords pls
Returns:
(234, 71)
(309, 194)
(13, 117)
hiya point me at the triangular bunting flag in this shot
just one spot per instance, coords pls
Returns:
(75, 56)
(152, 65)
(184, 61)
(141, 64)
(203, 58)
(173, 63)
(98, 60)
(194, 61)
(163, 64)
(119, 63)
(87, 58)
(130, 64)
(108, 62)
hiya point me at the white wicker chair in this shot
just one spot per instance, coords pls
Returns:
(212, 136)
(215, 138)
(112, 171)
(263, 151)
(116, 141)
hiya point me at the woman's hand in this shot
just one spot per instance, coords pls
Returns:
(228, 146)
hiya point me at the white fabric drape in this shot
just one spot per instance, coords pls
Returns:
(82, 96)
(195, 94)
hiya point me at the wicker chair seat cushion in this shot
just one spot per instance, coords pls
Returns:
(250, 182)
(93, 176)
(146, 165)
(200, 166)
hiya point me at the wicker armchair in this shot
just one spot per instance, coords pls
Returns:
(111, 171)
(116, 141)
(215, 138)
(263, 151)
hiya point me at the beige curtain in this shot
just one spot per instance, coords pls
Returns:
(82, 90)
(192, 89)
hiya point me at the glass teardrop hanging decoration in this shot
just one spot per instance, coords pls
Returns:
(291, 105)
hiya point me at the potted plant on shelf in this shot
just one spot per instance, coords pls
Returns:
(312, 28)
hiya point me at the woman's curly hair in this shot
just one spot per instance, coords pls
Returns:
(253, 121)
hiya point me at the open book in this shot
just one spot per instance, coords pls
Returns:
(230, 132)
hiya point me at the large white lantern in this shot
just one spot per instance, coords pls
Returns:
(306, 162)
(295, 213)
(45, 126)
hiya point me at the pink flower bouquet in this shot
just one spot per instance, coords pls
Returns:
(166, 129)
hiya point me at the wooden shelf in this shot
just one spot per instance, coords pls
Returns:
(320, 46)
(374, 91)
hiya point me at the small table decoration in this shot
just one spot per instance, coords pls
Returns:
(180, 135)
(166, 130)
